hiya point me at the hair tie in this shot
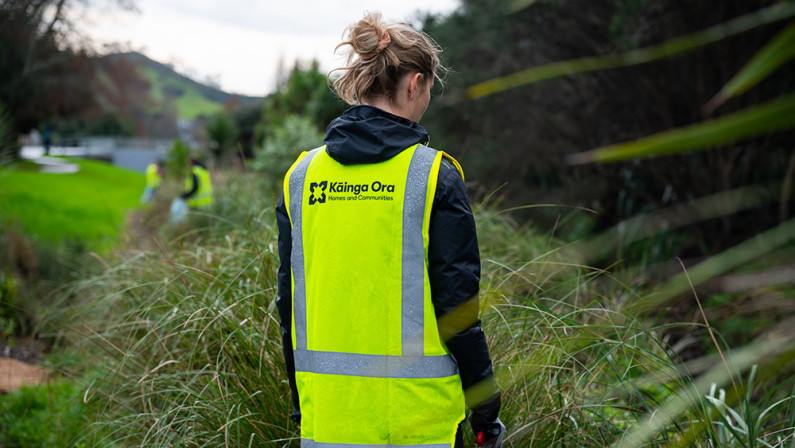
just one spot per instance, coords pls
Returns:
(384, 42)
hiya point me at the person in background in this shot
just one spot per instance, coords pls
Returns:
(379, 265)
(198, 187)
(47, 138)
(154, 178)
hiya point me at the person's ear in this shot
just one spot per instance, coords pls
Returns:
(414, 83)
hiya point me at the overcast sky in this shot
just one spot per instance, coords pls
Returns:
(239, 43)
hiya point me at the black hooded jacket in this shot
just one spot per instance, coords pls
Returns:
(363, 135)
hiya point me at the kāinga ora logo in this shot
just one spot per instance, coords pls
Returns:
(318, 192)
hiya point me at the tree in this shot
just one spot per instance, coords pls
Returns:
(247, 116)
(5, 134)
(222, 134)
(306, 93)
(44, 72)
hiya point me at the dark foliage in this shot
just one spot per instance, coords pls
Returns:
(47, 77)
(246, 116)
(521, 136)
(40, 78)
(306, 92)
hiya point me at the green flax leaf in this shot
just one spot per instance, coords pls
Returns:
(773, 116)
(690, 42)
(518, 5)
(774, 54)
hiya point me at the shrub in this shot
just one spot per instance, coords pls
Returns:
(47, 415)
(222, 133)
(177, 159)
(9, 311)
(282, 147)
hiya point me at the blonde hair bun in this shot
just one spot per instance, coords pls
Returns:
(366, 36)
(380, 53)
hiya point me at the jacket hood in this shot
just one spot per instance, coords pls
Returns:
(367, 134)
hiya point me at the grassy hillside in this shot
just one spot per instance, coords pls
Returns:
(89, 205)
(192, 99)
(190, 103)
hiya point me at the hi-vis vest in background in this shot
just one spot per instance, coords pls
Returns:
(153, 177)
(204, 191)
(371, 369)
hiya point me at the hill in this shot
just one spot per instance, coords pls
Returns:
(150, 97)
(193, 98)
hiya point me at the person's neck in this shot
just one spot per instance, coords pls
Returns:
(386, 105)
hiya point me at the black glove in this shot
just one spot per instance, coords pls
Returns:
(485, 418)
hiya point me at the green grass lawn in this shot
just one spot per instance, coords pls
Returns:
(89, 205)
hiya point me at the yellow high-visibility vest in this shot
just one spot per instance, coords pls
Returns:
(371, 368)
(153, 178)
(204, 193)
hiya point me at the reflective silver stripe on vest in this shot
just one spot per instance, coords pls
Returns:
(413, 276)
(297, 178)
(308, 443)
(375, 366)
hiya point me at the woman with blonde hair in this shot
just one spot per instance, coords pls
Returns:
(379, 265)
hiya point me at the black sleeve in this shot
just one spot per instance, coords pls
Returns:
(193, 189)
(284, 301)
(454, 270)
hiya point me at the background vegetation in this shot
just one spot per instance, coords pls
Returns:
(642, 302)
(51, 79)
(535, 128)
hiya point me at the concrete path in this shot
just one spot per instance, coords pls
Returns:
(55, 165)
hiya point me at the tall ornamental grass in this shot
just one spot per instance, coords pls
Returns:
(182, 346)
